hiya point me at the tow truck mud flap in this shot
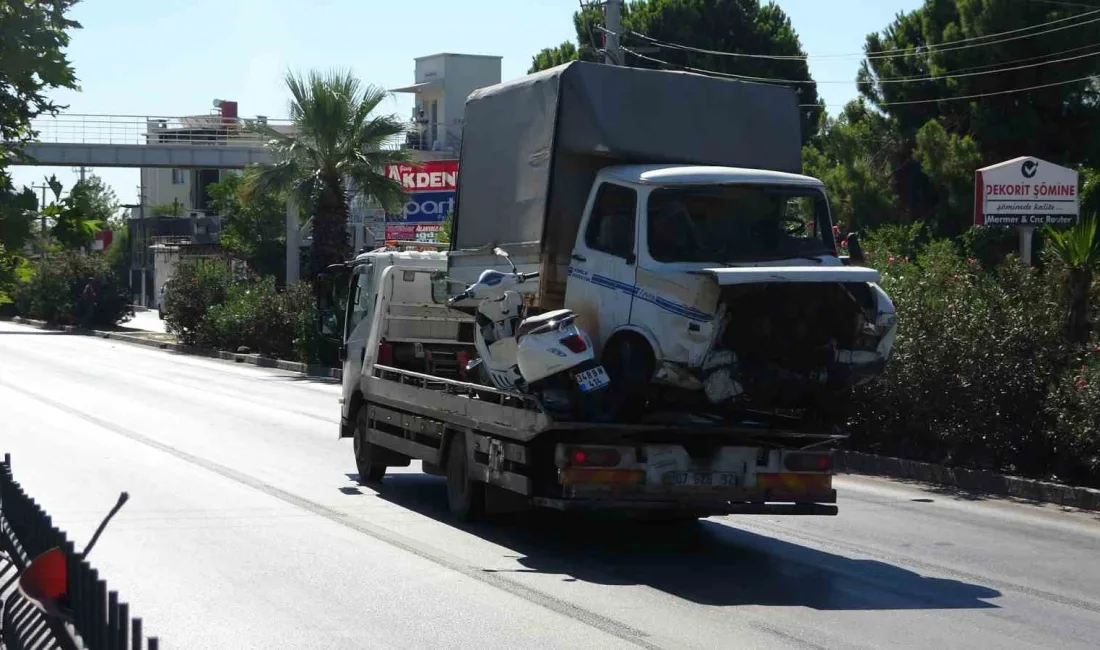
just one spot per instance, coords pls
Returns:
(499, 458)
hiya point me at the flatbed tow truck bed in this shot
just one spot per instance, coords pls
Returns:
(497, 448)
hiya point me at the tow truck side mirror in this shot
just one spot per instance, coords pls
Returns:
(328, 311)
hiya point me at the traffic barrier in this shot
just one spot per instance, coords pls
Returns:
(94, 617)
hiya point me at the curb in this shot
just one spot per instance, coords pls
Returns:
(969, 479)
(251, 359)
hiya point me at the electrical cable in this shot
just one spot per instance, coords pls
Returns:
(952, 75)
(900, 103)
(895, 53)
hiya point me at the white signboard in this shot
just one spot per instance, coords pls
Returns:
(1025, 192)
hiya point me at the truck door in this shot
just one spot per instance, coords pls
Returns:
(600, 288)
(360, 315)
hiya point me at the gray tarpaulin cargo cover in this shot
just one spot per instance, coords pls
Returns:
(531, 147)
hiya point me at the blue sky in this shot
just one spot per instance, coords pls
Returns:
(174, 57)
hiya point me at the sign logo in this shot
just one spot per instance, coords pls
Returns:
(1029, 168)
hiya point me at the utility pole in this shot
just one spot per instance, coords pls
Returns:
(42, 214)
(613, 24)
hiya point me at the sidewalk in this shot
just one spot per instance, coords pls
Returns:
(144, 321)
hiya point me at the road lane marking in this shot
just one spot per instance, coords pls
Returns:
(592, 619)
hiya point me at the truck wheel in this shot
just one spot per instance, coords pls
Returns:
(629, 363)
(465, 496)
(369, 470)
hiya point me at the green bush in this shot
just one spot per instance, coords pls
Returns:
(256, 316)
(205, 308)
(982, 375)
(196, 286)
(53, 291)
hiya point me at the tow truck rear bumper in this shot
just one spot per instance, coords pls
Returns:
(702, 507)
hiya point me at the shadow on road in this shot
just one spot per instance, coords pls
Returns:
(709, 563)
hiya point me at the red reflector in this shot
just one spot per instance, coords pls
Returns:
(808, 462)
(575, 344)
(595, 457)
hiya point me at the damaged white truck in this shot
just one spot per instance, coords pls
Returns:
(665, 213)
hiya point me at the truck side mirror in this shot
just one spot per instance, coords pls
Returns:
(326, 289)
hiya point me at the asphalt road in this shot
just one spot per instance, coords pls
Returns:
(246, 529)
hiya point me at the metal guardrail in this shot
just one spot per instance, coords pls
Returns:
(204, 130)
(98, 619)
(431, 136)
(197, 130)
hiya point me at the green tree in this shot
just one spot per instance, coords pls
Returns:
(252, 229)
(915, 70)
(949, 161)
(338, 136)
(1078, 249)
(173, 209)
(17, 215)
(735, 26)
(852, 157)
(74, 222)
(33, 37)
(97, 201)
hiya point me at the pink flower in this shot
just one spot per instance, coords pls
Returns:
(970, 261)
(844, 243)
(836, 230)
(891, 260)
(1080, 385)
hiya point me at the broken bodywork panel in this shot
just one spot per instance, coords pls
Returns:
(784, 337)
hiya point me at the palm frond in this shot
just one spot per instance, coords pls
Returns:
(1077, 247)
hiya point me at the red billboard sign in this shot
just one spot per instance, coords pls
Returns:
(431, 176)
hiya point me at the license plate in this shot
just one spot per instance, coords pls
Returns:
(701, 479)
(593, 379)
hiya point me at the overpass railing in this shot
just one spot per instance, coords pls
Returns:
(197, 130)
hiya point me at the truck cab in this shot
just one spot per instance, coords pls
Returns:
(718, 279)
(379, 309)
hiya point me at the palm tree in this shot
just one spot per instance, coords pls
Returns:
(1079, 250)
(337, 137)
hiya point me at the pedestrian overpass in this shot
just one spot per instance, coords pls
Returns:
(189, 142)
(202, 141)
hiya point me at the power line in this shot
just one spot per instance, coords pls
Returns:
(900, 103)
(921, 50)
(952, 75)
(980, 95)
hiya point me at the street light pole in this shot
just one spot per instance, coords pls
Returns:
(42, 215)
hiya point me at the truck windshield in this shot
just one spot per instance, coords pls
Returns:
(737, 223)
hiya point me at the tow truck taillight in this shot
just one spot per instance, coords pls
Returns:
(595, 457)
(575, 343)
(808, 462)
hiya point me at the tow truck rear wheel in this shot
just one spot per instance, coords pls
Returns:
(465, 496)
(370, 471)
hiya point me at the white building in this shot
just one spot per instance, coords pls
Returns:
(188, 188)
(442, 82)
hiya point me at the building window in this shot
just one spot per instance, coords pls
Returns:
(177, 177)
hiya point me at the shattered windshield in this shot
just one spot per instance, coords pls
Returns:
(737, 223)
